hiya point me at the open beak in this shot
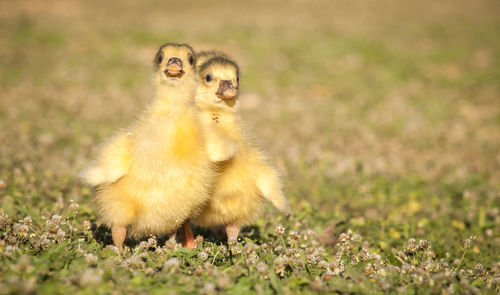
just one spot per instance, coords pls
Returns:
(226, 90)
(174, 68)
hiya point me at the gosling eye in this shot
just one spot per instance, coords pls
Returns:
(238, 78)
(160, 58)
(190, 59)
(208, 77)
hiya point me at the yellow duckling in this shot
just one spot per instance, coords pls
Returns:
(220, 146)
(246, 179)
(153, 176)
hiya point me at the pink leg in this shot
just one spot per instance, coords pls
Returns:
(187, 236)
(232, 231)
(118, 233)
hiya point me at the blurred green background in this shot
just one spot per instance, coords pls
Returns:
(384, 115)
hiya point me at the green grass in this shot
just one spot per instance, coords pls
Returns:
(383, 118)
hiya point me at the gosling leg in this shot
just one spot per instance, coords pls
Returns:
(118, 233)
(232, 231)
(187, 236)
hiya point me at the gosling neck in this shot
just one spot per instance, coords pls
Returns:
(218, 108)
(172, 97)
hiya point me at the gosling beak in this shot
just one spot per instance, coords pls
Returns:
(226, 90)
(174, 68)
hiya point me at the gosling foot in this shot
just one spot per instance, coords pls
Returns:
(232, 232)
(118, 233)
(187, 236)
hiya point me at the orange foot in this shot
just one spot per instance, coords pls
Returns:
(118, 234)
(232, 231)
(187, 236)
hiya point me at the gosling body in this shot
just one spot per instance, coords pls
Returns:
(151, 177)
(246, 179)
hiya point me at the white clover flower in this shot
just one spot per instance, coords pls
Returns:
(90, 259)
(249, 248)
(73, 207)
(222, 249)
(232, 241)
(251, 258)
(113, 248)
(424, 244)
(4, 221)
(467, 243)
(87, 225)
(280, 265)
(263, 269)
(203, 255)
(28, 221)
(20, 229)
(235, 250)
(90, 277)
(171, 244)
(52, 226)
(60, 235)
(171, 264)
(143, 245)
(199, 240)
(323, 264)
(56, 219)
(343, 237)
(356, 237)
(134, 262)
(280, 230)
(312, 259)
(294, 235)
(151, 242)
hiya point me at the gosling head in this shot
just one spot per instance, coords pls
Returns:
(205, 55)
(219, 82)
(174, 64)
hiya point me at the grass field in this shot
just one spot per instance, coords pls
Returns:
(383, 117)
